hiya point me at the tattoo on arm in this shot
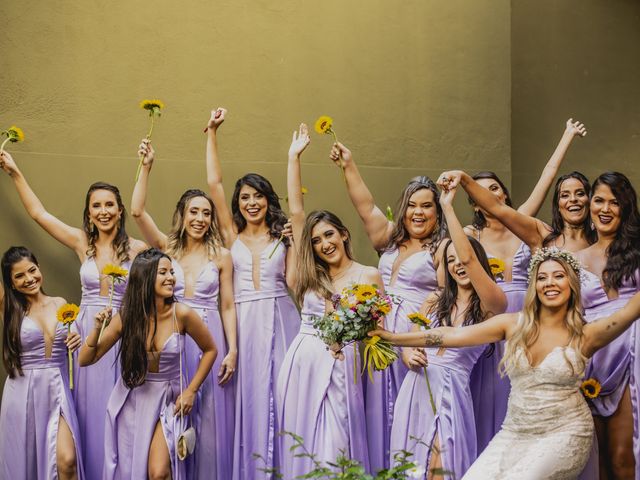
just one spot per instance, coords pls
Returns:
(433, 339)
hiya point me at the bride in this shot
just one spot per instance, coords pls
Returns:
(548, 430)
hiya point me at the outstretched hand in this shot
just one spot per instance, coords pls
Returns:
(299, 141)
(449, 180)
(217, 118)
(338, 152)
(146, 152)
(576, 128)
(447, 196)
(6, 162)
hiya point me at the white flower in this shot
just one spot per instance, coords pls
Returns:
(416, 472)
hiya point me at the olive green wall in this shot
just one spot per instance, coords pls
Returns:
(580, 60)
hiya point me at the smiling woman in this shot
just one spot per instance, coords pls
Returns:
(102, 240)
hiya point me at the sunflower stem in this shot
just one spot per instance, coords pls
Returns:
(70, 362)
(276, 246)
(104, 324)
(433, 404)
(153, 116)
(335, 139)
(4, 143)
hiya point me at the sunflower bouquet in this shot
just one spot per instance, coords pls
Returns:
(419, 319)
(66, 315)
(357, 310)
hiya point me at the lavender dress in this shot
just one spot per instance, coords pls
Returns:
(490, 391)
(214, 414)
(453, 424)
(415, 280)
(32, 405)
(319, 399)
(268, 321)
(617, 365)
(132, 416)
(94, 383)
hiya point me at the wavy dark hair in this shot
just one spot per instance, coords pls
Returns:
(275, 218)
(449, 293)
(557, 222)
(177, 238)
(623, 254)
(313, 272)
(479, 220)
(138, 315)
(400, 234)
(15, 308)
(120, 242)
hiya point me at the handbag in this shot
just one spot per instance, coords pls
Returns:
(186, 443)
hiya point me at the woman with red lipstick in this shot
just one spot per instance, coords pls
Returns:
(268, 320)
(408, 265)
(203, 273)
(102, 240)
(612, 276)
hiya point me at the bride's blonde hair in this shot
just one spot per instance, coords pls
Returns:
(528, 327)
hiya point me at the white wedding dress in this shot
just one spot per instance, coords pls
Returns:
(548, 431)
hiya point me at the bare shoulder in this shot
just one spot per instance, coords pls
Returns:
(136, 246)
(371, 275)
(471, 231)
(58, 301)
(223, 257)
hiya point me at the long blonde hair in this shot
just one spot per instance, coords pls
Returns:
(528, 328)
(313, 273)
(177, 237)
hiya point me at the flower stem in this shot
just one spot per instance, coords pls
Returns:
(4, 143)
(152, 122)
(104, 324)
(276, 247)
(335, 139)
(433, 404)
(70, 363)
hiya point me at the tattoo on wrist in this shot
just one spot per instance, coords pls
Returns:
(433, 339)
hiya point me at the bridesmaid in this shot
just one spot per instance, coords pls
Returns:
(408, 265)
(102, 240)
(318, 397)
(267, 317)
(142, 425)
(490, 390)
(203, 271)
(38, 425)
(612, 276)
(446, 439)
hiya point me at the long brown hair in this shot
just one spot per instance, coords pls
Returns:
(400, 234)
(177, 238)
(313, 273)
(120, 243)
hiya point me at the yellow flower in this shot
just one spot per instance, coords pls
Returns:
(497, 266)
(304, 190)
(419, 319)
(364, 292)
(590, 388)
(154, 106)
(15, 134)
(68, 313)
(114, 271)
(323, 124)
(384, 308)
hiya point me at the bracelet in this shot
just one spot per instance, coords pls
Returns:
(87, 343)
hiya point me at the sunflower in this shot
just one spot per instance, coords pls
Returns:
(14, 134)
(497, 266)
(68, 313)
(323, 124)
(418, 318)
(364, 292)
(384, 307)
(154, 106)
(591, 388)
(116, 272)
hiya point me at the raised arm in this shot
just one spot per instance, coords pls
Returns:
(492, 298)
(528, 229)
(214, 178)
(228, 314)
(376, 224)
(299, 143)
(92, 351)
(603, 331)
(148, 227)
(539, 193)
(493, 330)
(71, 237)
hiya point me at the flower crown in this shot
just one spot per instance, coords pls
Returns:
(543, 254)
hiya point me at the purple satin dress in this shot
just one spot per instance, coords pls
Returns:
(32, 405)
(132, 416)
(214, 412)
(319, 399)
(94, 383)
(490, 391)
(449, 375)
(415, 280)
(268, 321)
(617, 365)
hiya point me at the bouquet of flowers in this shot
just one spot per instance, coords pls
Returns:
(358, 309)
